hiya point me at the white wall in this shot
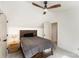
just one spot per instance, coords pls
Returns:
(68, 28)
(23, 15)
(16, 31)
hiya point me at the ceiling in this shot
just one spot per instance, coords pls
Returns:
(17, 11)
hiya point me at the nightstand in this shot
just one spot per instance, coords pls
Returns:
(13, 46)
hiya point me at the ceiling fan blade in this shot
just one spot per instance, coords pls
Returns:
(1, 13)
(54, 6)
(37, 5)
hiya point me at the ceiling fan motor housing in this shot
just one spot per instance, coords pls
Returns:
(45, 2)
(45, 6)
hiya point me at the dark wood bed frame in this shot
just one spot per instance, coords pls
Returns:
(22, 32)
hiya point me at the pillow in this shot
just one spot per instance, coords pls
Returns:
(29, 35)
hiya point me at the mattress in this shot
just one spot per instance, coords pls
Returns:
(32, 45)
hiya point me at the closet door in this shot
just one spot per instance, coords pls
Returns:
(3, 31)
(47, 30)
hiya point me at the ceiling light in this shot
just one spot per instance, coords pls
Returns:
(45, 10)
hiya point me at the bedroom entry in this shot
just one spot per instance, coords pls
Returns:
(54, 30)
(50, 31)
(3, 32)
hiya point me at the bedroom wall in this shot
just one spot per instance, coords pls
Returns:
(16, 31)
(69, 30)
(23, 15)
(68, 27)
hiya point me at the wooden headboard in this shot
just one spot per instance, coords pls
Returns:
(22, 32)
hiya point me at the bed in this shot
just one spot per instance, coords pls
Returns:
(31, 44)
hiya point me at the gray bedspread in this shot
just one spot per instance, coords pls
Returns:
(33, 45)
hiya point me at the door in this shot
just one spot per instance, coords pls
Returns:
(54, 32)
(3, 32)
(47, 30)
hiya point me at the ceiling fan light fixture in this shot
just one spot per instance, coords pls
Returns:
(45, 10)
(44, 13)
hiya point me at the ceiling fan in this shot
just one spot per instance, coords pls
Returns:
(45, 6)
(1, 13)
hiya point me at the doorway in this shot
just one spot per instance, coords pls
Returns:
(54, 32)
(3, 37)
